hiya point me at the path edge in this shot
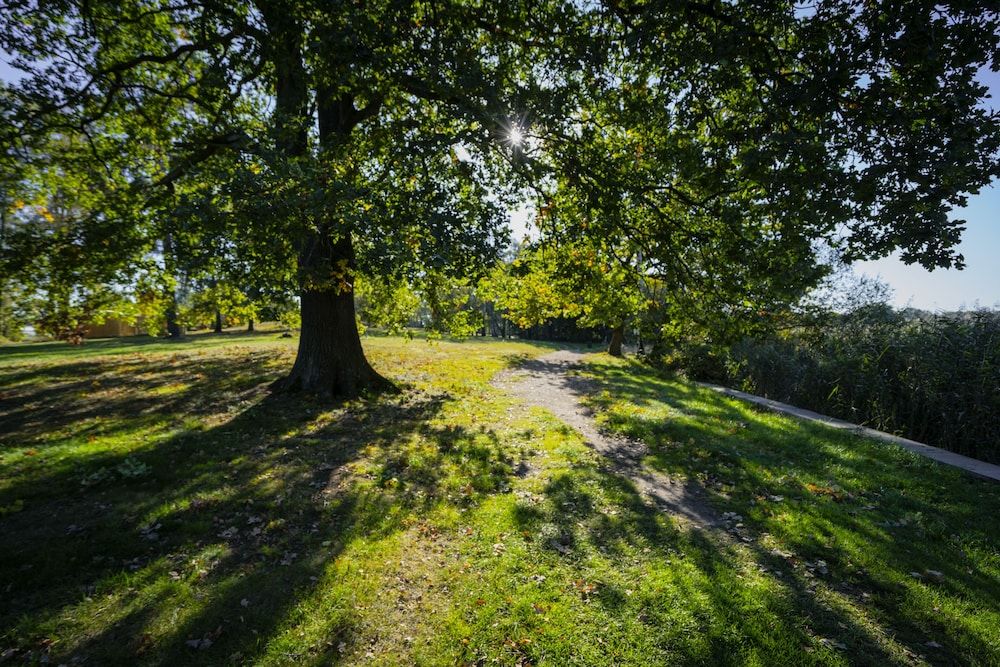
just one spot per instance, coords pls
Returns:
(968, 464)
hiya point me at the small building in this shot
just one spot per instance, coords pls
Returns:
(114, 327)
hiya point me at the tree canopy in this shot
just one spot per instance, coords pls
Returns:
(304, 143)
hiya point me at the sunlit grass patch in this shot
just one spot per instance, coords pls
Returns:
(874, 533)
(188, 518)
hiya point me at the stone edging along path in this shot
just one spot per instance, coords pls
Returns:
(974, 466)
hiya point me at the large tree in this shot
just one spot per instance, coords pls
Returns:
(718, 137)
(338, 137)
(734, 145)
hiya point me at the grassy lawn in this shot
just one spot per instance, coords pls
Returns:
(157, 506)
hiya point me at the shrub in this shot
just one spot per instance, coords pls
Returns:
(931, 378)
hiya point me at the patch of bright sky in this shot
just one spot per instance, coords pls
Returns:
(943, 289)
(950, 289)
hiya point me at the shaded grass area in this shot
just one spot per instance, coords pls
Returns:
(158, 507)
(897, 551)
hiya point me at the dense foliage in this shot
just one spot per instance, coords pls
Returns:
(931, 378)
(292, 145)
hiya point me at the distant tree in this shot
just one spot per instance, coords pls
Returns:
(43, 242)
(581, 281)
(218, 303)
(449, 304)
(10, 203)
(386, 302)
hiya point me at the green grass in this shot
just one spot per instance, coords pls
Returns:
(157, 506)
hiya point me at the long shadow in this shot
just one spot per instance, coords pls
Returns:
(879, 519)
(115, 389)
(34, 351)
(562, 379)
(245, 516)
(789, 616)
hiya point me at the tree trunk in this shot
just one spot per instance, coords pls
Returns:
(217, 327)
(330, 359)
(3, 283)
(173, 325)
(617, 337)
(250, 325)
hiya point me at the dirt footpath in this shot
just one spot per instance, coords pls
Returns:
(549, 382)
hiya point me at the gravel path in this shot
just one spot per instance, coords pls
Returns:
(549, 382)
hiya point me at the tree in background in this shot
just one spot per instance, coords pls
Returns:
(449, 304)
(218, 304)
(58, 257)
(590, 284)
(386, 302)
(11, 291)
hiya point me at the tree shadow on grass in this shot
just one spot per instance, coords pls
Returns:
(96, 397)
(144, 344)
(689, 573)
(885, 531)
(200, 546)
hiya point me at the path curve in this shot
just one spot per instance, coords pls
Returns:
(550, 382)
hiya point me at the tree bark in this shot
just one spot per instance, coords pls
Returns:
(250, 325)
(217, 327)
(617, 337)
(173, 325)
(330, 359)
(3, 283)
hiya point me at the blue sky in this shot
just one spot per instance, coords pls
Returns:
(977, 284)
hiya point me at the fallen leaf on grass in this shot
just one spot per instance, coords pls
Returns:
(585, 588)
